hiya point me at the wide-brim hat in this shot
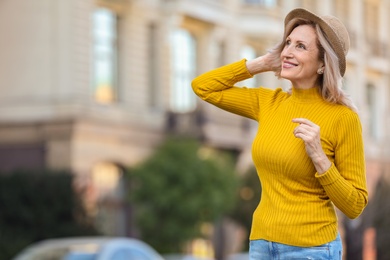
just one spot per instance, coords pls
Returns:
(334, 30)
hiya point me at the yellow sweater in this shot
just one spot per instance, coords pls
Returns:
(297, 204)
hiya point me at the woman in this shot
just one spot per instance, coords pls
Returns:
(308, 150)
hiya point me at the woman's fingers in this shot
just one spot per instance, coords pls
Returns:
(309, 133)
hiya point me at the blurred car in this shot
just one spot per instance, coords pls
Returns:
(239, 256)
(89, 248)
(185, 257)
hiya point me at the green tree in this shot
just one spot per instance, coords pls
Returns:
(36, 206)
(177, 189)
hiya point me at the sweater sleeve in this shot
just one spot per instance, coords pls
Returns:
(345, 181)
(218, 88)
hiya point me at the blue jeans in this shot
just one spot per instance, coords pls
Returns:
(265, 250)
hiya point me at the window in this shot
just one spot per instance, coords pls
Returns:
(343, 12)
(183, 71)
(104, 77)
(371, 15)
(249, 53)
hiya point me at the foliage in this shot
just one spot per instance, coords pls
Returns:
(36, 206)
(176, 190)
(249, 195)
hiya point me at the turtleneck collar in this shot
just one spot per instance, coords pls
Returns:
(306, 95)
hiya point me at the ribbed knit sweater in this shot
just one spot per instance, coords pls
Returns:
(297, 203)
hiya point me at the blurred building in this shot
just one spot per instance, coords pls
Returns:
(94, 85)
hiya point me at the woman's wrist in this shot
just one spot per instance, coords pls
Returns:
(322, 165)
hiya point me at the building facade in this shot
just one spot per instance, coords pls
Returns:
(93, 86)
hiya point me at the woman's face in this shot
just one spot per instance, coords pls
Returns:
(299, 57)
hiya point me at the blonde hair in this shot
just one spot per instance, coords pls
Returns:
(330, 82)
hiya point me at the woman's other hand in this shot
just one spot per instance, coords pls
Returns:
(310, 134)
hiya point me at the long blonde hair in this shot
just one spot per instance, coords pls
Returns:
(330, 83)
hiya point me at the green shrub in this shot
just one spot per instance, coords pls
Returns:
(37, 206)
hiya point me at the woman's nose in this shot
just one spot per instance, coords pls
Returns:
(287, 51)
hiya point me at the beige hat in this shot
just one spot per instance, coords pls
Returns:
(335, 32)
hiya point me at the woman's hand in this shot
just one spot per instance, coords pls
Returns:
(310, 134)
(260, 64)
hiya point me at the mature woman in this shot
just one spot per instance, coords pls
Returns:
(308, 150)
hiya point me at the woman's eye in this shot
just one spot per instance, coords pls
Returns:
(288, 42)
(301, 46)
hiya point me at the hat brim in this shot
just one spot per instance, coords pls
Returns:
(330, 34)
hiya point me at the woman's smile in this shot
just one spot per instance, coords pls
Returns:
(289, 64)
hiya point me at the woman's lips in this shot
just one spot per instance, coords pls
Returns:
(287, 64)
